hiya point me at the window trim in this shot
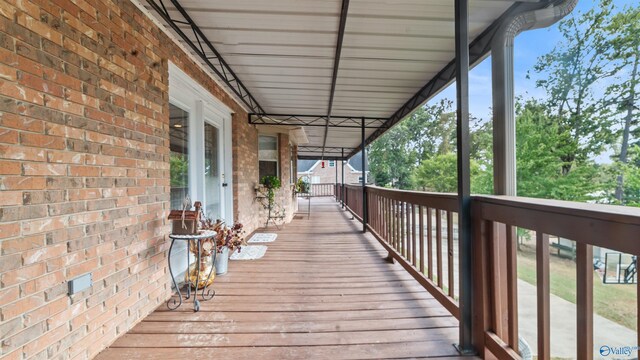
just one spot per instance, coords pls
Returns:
(277, 160)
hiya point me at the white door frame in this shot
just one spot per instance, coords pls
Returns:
(187, 94)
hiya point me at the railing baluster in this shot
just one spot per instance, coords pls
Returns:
(429, 244)
(413, 235)
(584, 300)
(421, 236)
(439, 247)
(450, 274)
(402, 229)
(407, 231)
(512, 287)
(542, 275)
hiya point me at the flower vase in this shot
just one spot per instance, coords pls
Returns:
(205, 269)
(222, 261)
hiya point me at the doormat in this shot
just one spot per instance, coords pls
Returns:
(249, 252)
(263, 238)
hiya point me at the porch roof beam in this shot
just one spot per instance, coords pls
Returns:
(201, 45)
(336, 63)
(317, 121)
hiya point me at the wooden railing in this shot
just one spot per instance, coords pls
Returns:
(417, 229)
(411, 226)
(322, 189)
(495, 219)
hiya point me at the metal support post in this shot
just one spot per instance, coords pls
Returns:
(364, 181)
(464, 197)
(342, 187)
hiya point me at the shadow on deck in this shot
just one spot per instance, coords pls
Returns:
(323, 290)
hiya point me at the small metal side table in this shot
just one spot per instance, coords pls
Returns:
(172, 304)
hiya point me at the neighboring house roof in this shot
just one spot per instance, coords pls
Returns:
(306, 165)
(355, 163)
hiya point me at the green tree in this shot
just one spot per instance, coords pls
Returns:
(624, 93)
(569, 73)
(539, 140)
(391, 159)
(439, 174)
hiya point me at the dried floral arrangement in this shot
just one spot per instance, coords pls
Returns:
(231, 237)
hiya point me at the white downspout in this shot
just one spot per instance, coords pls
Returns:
(504, 127)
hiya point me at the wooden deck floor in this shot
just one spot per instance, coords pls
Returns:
(322, 291)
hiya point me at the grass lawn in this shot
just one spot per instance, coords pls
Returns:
(614, 302)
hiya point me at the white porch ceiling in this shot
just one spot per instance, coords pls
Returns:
(283, 51)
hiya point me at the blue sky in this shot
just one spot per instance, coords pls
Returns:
(529, 45)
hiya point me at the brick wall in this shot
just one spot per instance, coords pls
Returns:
(328, 174)
(84, 172)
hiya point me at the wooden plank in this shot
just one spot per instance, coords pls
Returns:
(184, 315)
(403, 244)
(421, 237)
(400, 349)
(429, 244)
(439, 247)
(413, 236)
(543, 286)
(584, 300)
(512, 287)
(233, 327)
(450, 273)
(182, 340)
(499, 348)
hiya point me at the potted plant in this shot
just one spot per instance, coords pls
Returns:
(302, 186)
(227, 240)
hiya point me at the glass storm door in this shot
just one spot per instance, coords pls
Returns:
(213, 194)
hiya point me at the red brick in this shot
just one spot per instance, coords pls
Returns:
(83, 268)
(43, 141)
(44, 225)
(84, 194)
(42, 343)
(114, 172)
(8, 230)
(22, 274)
(32, 169)
(52, 251)
(15, 152)
(22, 183)
(64, 131)
(9, 295)
(21, 306)
(10, 168)
(63, 105)
(21, 92)
(21, 122)
(65, 157)
(39, 84)
(8, 136)
(84, 171)
(7, 73)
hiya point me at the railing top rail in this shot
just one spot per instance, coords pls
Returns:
(607, 226)
(442, 201)
(612, 213)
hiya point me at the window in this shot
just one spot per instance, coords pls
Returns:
(332, 163)
(268, 155)
(179, 155)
